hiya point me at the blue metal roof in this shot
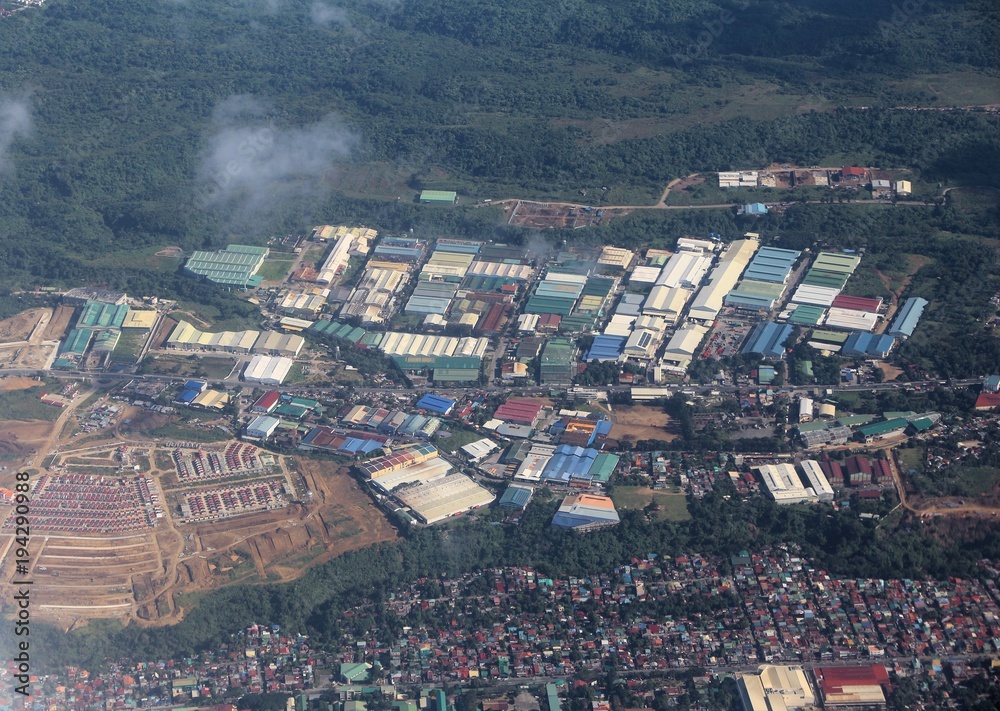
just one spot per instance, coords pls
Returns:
(436, 403)
(187, 395)
(771, 264)
(908, 317)
(605, 348)
(516, 496)
(868, 344)
(766, 339)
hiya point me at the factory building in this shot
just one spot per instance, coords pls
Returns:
(261, 427)
(438, 197)
(347, 242)
(186, 337)
(268, 370)
(683, 345)
(784, 484)
(278, 344)
(709, 300)
(907, 318)
(772, 264)
(586, 512)
(850, 319)
(666, 302)
(768, 340)
(775, 689)
(235, 266)
(817, 479)
(752, 295)
(685, 269)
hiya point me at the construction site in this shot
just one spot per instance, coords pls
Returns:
(128, 530)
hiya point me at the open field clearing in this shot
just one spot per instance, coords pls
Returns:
(640, 422)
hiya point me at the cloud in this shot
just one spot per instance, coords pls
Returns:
(15, 122)
(328, 15)
(253, 169)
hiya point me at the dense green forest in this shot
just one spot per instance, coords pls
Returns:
(130, 126)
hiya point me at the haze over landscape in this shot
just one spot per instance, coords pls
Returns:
(455, 354)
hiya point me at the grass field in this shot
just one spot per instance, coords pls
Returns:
(189, 433)
(275, 269)
(459, 438)
(186, 366)
(673, 506)
(24, 405)
(129, 345)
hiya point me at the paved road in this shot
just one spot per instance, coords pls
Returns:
(232, 380)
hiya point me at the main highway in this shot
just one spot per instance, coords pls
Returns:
(234, 380)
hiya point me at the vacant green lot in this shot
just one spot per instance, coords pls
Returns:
(188, 366)
(24, 405)
(673, 506)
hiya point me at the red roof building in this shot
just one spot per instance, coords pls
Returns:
(519, 411)
(988, 401)
(266, 402)
(857, 303)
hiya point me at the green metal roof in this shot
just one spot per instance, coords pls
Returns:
(77, 341)
(828, 336)
(438, 196)
(807, 315)
(879, 428)
(96, 314)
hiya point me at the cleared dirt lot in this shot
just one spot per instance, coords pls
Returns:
(138, 576)
(58, 323)
(20, 326)
(640, 422)
(16, 383)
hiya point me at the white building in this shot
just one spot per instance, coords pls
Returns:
(269, 370)
(261, 427)
(817, 479)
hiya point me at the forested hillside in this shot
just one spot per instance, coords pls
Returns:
(135, 125)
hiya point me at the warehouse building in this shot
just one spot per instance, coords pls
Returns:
(304, 303)
(480, 449)
(907, 318)
(558, 361)
(616, 257)
(268, 370)
(96, 314)
(807, 315)
(871, 345)
(283, 344)
(772, 264)
(850, 319)
(857, 303)
(685, 269)
(666, 302)
(437, 404)
(605, 348)
(233, 266)
(534, 462)
(815, 295)
(500, 270)
(817, 479)
(261, 427)
(444, 497)
(645, 276)
(768, 340)
(751, 295)
(738, 179)
(137, 318)
(77, 341)
(683, 345)
(186, 337)
(783, 483)
(641, 345)
(775, 689)
(80, 295)
(519, 411)
(586, 512)
(438, 197)
(347, 242)
(852, 687)
(709, 300)
(431, 297)
(516, 497)
(106, 339)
